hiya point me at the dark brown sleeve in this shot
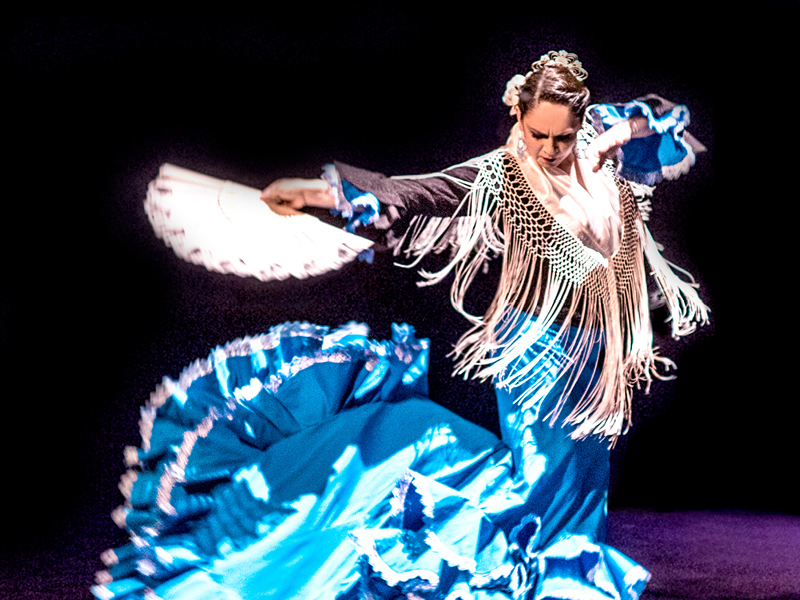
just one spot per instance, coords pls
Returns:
(429, 195)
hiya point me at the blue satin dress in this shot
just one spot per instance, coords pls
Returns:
(310, 463)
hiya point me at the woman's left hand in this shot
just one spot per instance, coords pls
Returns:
(605, 145)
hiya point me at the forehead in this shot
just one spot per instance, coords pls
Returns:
(551, 119)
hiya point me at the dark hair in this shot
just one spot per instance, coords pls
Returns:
(556, 84)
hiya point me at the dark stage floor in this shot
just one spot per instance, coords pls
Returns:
(704, 555)
(694, 555)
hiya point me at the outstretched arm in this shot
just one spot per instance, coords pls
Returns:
(436, 194)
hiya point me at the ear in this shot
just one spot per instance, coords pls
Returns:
(518, 112)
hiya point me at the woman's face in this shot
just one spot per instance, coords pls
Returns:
(550, 132)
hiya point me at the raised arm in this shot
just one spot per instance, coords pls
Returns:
(605, 145)
(648, 136)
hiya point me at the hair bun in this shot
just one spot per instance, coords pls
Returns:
(564, 59)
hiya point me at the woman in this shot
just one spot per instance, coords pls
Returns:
(308, 463)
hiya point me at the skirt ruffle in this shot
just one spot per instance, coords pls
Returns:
(309, 463)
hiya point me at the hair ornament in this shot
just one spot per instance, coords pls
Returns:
(511, 95)
(564, 59)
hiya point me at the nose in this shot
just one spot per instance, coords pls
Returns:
(549, 146)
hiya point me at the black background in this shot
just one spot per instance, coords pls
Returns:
(96, 310)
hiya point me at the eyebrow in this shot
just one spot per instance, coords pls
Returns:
(566, 134)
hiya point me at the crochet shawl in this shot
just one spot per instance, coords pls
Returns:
(552, 280)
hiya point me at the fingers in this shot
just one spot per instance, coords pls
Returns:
(604, 145)
(276, 189)
(279, 204)
(283, 192)
(284, 209)
(300, 192)
(282, 200)
(596, 156)
(268, 192)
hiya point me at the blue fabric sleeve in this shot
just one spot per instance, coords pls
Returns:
(665, 153)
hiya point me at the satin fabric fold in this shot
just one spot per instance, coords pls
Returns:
(328, 473)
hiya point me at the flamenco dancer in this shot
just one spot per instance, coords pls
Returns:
(309, 462)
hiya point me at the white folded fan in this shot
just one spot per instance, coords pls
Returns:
(226, 228)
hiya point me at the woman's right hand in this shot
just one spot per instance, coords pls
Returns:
(288, 196)
(604, 146)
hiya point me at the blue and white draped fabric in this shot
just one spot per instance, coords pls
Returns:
(309, 463)
(361, 208)
(667, 154)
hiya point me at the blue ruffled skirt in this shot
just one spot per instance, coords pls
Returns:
(309, 463)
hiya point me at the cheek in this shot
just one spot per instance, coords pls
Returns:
(533, 145)
(567, 147)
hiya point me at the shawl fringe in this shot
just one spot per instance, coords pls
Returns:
(550, 282)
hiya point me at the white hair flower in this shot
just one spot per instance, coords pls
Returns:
(511, 95)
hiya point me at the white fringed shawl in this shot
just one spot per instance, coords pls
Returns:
(549, 271)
